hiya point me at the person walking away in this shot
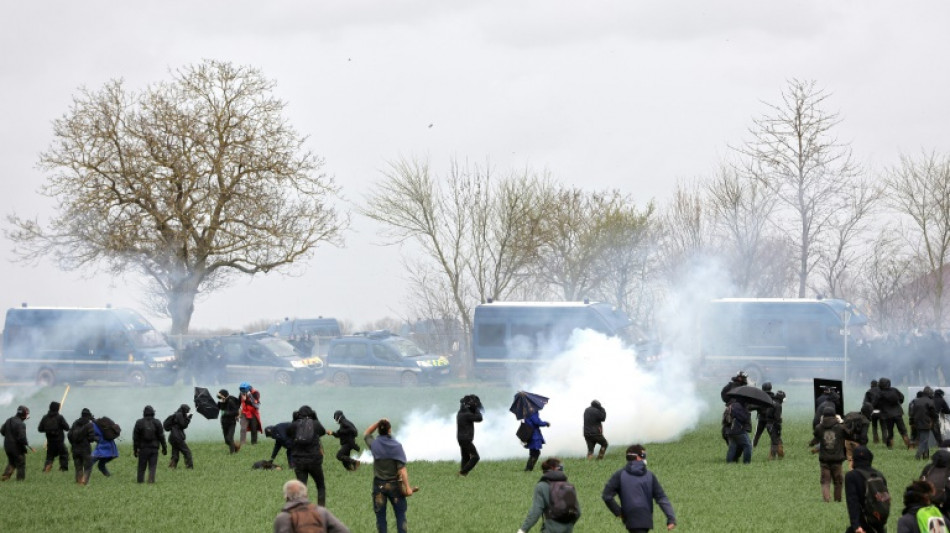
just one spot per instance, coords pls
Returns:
(943, 409)
(230, 408)
(105, 450)
(306, 451)
(15, 444)
(250, 413)
(542, 501)
(176, 424)
(860, 496)
(278, 432)
(937, 472)
(830, 435)
(924, 418)
(594, 417)
(536, 441)
(81, 437)
(892, 413)
(856, 424)
(871, 396)
(390, 475)
(298, 514)
(637, 488)
(469, 414)
(736, 427)
(147, 436)
(54, 425)
(346, 433)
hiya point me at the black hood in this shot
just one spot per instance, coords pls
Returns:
(306, 412)
(941, 458)
(149, 411)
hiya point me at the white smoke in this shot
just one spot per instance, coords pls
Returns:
(655, 405)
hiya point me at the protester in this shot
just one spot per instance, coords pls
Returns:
(147, 436)
(943, 409)
(594, 417)
(230, 408)
(923, 416)
(736, 426)
(739, 380)
(54, 425)
(830, 435)
(917, 500)
(390, 476)
(105, 450)
(347, 435)
(278, 432)
(536, 440)
(892, 413)
(304, 433)
(81, 437)
(250, 413)
(856, 423)
(637, 488)
(468, 415)
(15, 444)
(298, 514)
(551, 471)
(769, 419)
(937, 472)
(870, 397)
(179, 421)
(855, 488)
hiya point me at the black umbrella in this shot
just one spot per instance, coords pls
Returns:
(752, 395)
(205, 404)
(526, 403)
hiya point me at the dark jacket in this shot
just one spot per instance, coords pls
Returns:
(281, 440)
(306, 452)
(729, 386)
(230, 408)
(14, 435)
(140, 438)
(86, 436)
(347, 433)
(854, 489)
(465, 422)
(593, 419)
(541, 501)
(872, 395)
(940, 460)
(830, 435)
(54, 425)
(889, 403)
(638, 489)
(857, 425)
(741, 420)
(180, 423)
(907, 523)
(284, 521)
(924, 413)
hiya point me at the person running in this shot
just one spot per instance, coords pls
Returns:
(594, 417)
(298, 514)
(347, 434)
(469, 414)
(552, 470)
(54, 425)
(15, 444)
(390, 476)
(230, 408)
(104, 452)
(637, 488)
(147, 436)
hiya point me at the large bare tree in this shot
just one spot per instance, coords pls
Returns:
(794, 154)
(188, 181)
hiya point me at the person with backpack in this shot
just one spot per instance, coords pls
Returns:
(305, 432)
(250, 413)
(470, 413)
(919, 515)
(594, 417)
(390, 476)
(176, 424)
(736, 425)
(871, 396)
(147, 436)
(553, 498)
(892, 414)
(54, 425)
(937, 472)
(15, 444)
(278, 432)
(637, 488)
(347, 435)
(298, 514)
(106, 431)
(830, 435)
(81, 436)
(230, 408)
(865, 489)
(856, 423)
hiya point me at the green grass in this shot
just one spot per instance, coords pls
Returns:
(224, 494)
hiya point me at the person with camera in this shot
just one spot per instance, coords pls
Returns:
(306, 451)
(739, 380)
(390, 476)
(594, 417)
(298, 514)
(250, 413)
(15, 444)
(147, 436)
(469, 414)
(637, 488)
(347, 435)
(176, 437)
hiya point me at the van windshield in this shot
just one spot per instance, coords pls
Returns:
(279, 347)
(147, 338)
(405, 347)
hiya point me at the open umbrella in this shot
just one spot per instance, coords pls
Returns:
(205, 404)
(526, 403)
(752, 395)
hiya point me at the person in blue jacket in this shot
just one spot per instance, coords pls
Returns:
(281, 440)
(536, 441)
(638, 488)
(105, 451)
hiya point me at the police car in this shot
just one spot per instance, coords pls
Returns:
(382, 358)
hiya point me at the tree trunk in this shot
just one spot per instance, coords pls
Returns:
(181, 305)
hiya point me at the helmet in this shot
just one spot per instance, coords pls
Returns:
(884, 383)
(245, 386)
(741, 377)
(767, 386)
(23, 411)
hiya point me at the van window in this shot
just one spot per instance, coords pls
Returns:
(491, 335)
(405, 347)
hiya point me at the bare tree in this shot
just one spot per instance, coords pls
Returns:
(684, 233)
(189, 181)
(628, 258)
(794, 154)
(841, 249)
(887, 287)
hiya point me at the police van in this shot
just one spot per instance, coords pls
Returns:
(383, 358)
(49, 345)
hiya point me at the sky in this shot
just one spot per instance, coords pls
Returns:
(633, 95)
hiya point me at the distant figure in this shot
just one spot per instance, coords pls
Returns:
(830, 435)
(739, 380)
(856, 487)
(856, 423)
(298, 514)
(105, 449)
(390, 477)
(176, 436)
(347, 435)
(81, 437)
(15, 444)
(536, 441)
(468, 415)
(54, 425)
(594, 417)
(737, 423)
(871, 396)
(304, 433)
(230, 411)
(769, 419)
(552, 471)
(250, 413)
(638, 488)
(892, 413)
(281, 440)
(147, 436)
(923, 417)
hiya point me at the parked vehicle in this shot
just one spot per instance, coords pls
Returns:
(50, 345)
(382, 358)
(310, 336)
(256, 358)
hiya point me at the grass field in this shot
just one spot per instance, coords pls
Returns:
(224, 494)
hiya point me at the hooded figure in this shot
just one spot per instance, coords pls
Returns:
(892, 413)
(468, 415)
(830, 435)
(147, 436)
(594, 417)
(81, 436)
(347, 435)
(15, 444)
(307, 452)
(54, 425)
(176, 424)
(855, 485)
(637, 488)
(230, 408)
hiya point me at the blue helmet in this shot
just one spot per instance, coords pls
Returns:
(245, 385)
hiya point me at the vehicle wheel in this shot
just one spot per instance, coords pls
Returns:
(409, 379)
(45, 377)
(283, 378)
(136, 378)
(341, 379)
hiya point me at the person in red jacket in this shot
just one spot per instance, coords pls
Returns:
(250, 413)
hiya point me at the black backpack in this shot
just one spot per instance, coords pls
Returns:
(75, 433)
(877, 500)
(110, 430)
(305, 433)
(564, 507)
(169, 422)
(938, 477)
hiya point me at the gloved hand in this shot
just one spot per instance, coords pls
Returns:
(189, 417)
(135, 453)
(164, 450)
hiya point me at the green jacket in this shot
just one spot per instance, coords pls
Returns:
(541, 501)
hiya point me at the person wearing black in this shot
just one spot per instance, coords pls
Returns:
(81, 436)
(347, 434)
(305, 432)
(857, 423)
(855, 485)
(940, 404)
(281, 440)
(469, 414)
(738, 380)
(230, 407)
(889, 404)
(830, 435)
(594, 417)
(769, 419)
(147, 436)
(938, 473)
(15, 444)
(54, 425)
(176, 437)
(737, 431)
(828, 398)
(871, 397)
(925, 419)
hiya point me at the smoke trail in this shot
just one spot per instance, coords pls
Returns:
(654, 405)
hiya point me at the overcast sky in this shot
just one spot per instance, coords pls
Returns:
(631, 95)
